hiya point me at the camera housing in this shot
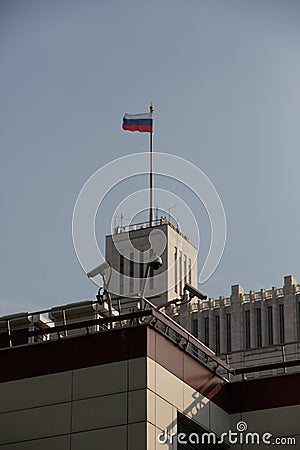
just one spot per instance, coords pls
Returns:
(156, 263)
(194, 292)
(99, 270)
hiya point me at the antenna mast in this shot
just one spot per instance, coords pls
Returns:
(151, 212)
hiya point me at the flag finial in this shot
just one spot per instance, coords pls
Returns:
(151, 108)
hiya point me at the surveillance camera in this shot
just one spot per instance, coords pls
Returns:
(99, 270)
(156, 263)
(100, 296)
(194, 292)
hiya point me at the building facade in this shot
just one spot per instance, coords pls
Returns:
(195, 374)
(134, 382)
(247, 329)
(128, 251)
(244, 329)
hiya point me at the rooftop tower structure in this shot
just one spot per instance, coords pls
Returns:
(129, 251)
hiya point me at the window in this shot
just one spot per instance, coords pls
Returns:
(190, 271)
(193, 436)
(4, 339)
(228, 332)
(141, 269)
(258, 327)
(299, 320)
(185, 269)
(121, 274)
(195, 333)
(281, 324)
(151, 271)
(195, 328)
(217, 334)
(180, 273)
(270, 326)
(247, 329)
(206, 331)
(176, 270)
(131, 272)
(17, 337)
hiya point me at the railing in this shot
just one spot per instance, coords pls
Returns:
(66, 327)
(226, 301)
(263, 361)
(246, 298)
(187, 342)
(257, 296)
(214, 303)
(90, 317)
(204, 305)
(254, 296)
(140, 225)
(154, 223)
(269, 294)
(194, 307)
(297, 289)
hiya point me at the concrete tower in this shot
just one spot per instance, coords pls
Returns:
(130, 249)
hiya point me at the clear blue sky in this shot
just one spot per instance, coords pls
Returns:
(224, 78)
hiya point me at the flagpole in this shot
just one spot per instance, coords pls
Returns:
(151, 215)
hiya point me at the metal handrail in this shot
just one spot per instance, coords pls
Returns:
(85, 324)
(151, 317)
(271, 366)
(190, 339)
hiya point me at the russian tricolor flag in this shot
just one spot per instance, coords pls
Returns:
(138, 122)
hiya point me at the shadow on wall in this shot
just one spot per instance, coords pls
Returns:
(187, 424)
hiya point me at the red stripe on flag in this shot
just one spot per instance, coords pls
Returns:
(141, 128)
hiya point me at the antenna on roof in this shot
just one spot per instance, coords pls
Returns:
(151, 212)
(121, 217)
(168, 211)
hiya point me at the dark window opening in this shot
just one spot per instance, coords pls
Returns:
(180, 273)
(121, 274)
(131, 272)
(194, 436)
(247, 329)
(195, 328)
(217, 334)
(228, 332)
(258, 327)
(206, 331)
(298, 320)
(176, 270)
(281, 324)
(141, 274)
(151, 272)
(270, 326)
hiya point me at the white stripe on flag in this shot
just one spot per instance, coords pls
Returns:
(137, 116)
